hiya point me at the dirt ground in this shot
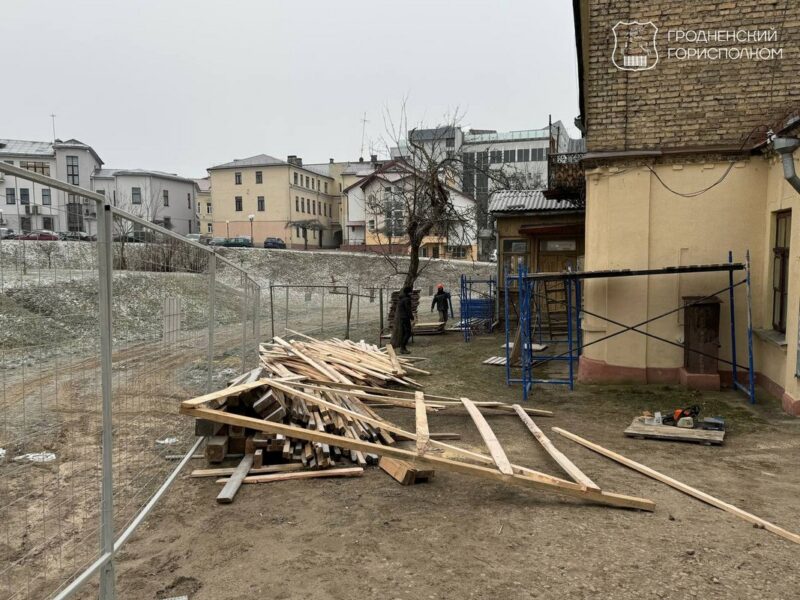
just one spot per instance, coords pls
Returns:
(461, 537)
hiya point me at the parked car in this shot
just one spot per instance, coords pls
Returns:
(6, 233)
(217, 241)
(41, 235)
(195, 237)
(275, 243)
(75, 236)
(238, 242)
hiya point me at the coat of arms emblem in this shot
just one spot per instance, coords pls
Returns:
(634, 45)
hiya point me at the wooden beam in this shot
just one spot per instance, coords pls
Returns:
(342, 472)
(398, 370)
(565, 463)
(489, 438)
(423, 436)
(686, 489)
(217, 399)
(540, 481)
(233, 484)
(226, 471)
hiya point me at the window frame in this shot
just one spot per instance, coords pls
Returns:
(237, 178)
(261, 204)
(238, 204)
(780, 260)
(259, 177)
(165, 197)
(136, 195)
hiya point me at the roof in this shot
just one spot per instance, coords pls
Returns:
(204, 184)
(26, 147)
(111, 173)
(259, 160)
(361, 169)
(524, 201)
(73, 143)
(428, 135)
(323, 169)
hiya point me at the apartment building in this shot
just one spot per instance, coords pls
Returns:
(162, 198)
(205, 211)
(263, 196)
(26, 206)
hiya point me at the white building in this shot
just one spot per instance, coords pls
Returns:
(26, 206)
(161, 198)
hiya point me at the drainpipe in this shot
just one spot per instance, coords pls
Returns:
(786, 147)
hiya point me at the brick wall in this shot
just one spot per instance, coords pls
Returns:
(686, 103)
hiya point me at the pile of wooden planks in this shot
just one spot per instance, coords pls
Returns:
(312, 403)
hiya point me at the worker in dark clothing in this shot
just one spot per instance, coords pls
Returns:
(442, 303)
(404, 315)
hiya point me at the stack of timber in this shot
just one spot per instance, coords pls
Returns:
(309, 411)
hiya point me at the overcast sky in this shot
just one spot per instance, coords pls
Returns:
(181, 85)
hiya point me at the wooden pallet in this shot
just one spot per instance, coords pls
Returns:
(637, 429)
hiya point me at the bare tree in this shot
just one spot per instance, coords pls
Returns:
(148, 206)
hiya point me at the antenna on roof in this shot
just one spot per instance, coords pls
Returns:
(53, 119)
(363, 131)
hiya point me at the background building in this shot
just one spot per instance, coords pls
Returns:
(27, 206)
(162, 198)
(297, 204)
(205, 210)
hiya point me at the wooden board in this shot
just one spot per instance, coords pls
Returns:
(342, 472)
(403, 471)
(686, 489)
(233, 483)
(225, 471)
(565, 463)
(423, 437)
(522, 476)
(489, 438)
(638, 429)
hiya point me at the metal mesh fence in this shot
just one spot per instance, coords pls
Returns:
(184, 322)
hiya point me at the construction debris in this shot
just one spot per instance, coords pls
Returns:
(641, 430)
(311, 403)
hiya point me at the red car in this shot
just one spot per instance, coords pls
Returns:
(42, 235)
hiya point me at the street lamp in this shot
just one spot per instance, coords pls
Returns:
(227, 229)
(250, 218)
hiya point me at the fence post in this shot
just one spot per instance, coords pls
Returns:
(348, 304)
(244, 322)
(212, 280)
(257, 316)
(322, 322)
(105, 266)
(380, 308)
(271, 312)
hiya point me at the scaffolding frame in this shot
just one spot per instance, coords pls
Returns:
(527, 289)
(471, 307)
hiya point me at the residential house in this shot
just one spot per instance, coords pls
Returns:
(691, 152)
(25, 206)
(162, 198)
(379, 201)
(353, 210)
(285, 199)
(205, 212)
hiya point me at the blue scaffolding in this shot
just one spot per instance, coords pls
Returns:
(476, 308)
(529, 293)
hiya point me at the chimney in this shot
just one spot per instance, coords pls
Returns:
(374, 158)
(361, 159)
(298, 161)
(331, 160)
(291, 159)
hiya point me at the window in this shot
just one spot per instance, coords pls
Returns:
(318, 188)
(457, 251)
(136, 195)
(326, 187)
(24, 196)
(296, 204)
(302, 205)
(237, 178)
(47, 223)
(307, 181)
(73, 176)
(209, 228)
(509, 156)
(435, 252)
(496, 156)
(101, 192)
(238, 203)
(295, 178)
(208, 208)
(11, 196)
(780, 269)
(524, 155)
(261, 203)
(313, 207)
(450, 143)
(167, 223)
(37, 167)
(312, 184)
(395, 217)
(557, 245)
(371, 225)
(314, 233)
(423, 252)
(165, 194)
(259, 177)
(189, 200)
(297, 231)
(514, 253)
(46, 198)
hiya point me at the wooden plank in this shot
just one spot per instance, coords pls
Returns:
(226, 471)
(404, 472)
(398, 370)
(524, 477)
(444, 435)
(217, 399)
(489, 438)
(341, 472)
(565, 463)
(686, 489)
(233, 483)
(638, 429)
(423, 437)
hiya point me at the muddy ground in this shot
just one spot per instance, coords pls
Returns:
(460, 537)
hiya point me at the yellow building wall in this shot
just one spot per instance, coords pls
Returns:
(634, 222)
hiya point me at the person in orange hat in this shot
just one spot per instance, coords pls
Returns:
(442, 303)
